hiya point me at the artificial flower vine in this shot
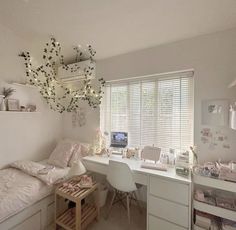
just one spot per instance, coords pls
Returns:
(45, 77)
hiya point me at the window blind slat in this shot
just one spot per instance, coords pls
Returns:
(155, 111)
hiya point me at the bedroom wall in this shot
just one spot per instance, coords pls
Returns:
(23, 136)
(213, 57)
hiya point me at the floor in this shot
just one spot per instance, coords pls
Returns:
(118, 219)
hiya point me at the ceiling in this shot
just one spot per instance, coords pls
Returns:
(115, 27)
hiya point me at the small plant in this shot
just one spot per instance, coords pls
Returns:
(7, 92)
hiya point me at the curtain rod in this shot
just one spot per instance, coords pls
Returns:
(152, 75)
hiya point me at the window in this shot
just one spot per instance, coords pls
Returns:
(156, 110)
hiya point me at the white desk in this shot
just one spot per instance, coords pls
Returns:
(168, 195)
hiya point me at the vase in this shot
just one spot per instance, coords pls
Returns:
(4, 105)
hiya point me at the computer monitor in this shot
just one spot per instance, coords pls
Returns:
(119, 139)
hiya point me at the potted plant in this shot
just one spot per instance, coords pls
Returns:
(7, 92)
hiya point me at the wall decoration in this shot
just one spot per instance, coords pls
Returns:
(215, 112)
(13, 104)
(214, 138)
(57, 94)
(31, 108)
(6, 93)
(79, 117)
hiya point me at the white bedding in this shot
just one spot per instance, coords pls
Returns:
(19, 190)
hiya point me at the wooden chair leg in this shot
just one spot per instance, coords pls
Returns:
(112, 201)
(128, 206)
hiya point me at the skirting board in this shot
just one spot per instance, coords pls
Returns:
(41, 212)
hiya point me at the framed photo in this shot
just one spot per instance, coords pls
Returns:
(13, 105)
(215, 112)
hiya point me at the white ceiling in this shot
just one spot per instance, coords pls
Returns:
(114, 27)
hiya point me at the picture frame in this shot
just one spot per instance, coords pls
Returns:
(13, 105)
(215, 112)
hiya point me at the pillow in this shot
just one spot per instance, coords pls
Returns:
(61, 154)
(81, 150)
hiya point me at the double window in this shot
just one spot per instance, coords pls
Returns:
(156, 110)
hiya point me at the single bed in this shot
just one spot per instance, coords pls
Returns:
(26, 187)
(25, 198)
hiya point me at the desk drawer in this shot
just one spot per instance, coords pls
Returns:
(167, 210)
(140, 178)
(169, 190)
(155, 223)
(95, 167)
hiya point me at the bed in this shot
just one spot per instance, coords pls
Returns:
(26, 187)
(26, 197)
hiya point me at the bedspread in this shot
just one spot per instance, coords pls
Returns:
(19, 190)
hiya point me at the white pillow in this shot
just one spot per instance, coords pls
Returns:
(81, 150)
(61, 154)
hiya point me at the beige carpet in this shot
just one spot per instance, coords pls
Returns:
(118, 219)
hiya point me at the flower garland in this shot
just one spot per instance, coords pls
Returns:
(45, 77)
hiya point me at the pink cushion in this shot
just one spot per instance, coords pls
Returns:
(80, 150)
(62, 154)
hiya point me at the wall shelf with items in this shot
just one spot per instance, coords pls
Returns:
(215, 183)
(18, 98)
(23, 85)
(213, 190)
(19, 112)
(215, 210)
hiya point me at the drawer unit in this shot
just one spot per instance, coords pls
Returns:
(140, 178)
(155, 223)
(32, 222)
(170, 211)
(94, 167)
(170, 190)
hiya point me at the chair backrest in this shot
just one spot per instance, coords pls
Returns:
(151, 153)
(120, 176)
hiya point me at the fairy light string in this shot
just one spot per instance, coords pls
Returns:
(57, 94)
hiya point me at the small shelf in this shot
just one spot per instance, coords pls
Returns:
(67, 221)
(215, 183)
(17, 112)
(215, 210)
(23, 85)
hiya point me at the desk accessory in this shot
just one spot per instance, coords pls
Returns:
(155, 166)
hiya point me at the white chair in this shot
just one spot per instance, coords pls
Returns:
(121, 179)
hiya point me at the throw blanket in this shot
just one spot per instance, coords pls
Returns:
(46, 173)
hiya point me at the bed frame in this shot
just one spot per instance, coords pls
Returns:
(38, 216)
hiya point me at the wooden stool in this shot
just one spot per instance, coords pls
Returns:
(84, 213)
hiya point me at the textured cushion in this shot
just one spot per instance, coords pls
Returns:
(62, 154)
(81, 150)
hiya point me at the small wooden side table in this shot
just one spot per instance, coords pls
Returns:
(84, 213)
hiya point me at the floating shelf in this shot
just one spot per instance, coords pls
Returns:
(67, 220)
(17, 112)
(215, 210)
(215, 183)
(24, 85)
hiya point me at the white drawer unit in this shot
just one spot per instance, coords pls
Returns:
(31, 223)
(169, 190)
(169, 204)
(156, 223)
(170, 211)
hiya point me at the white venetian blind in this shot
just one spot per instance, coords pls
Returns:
(156, 110)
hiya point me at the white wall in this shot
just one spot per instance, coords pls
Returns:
(23, 136)
(85, 133)
(212, 56)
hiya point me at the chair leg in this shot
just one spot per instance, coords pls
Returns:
(137, 201)
(128, 206)
(112, 201)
